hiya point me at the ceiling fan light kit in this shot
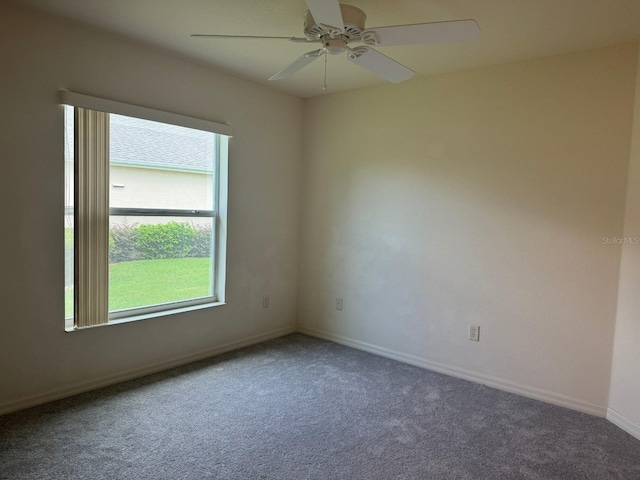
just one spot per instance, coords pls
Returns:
(336, 25)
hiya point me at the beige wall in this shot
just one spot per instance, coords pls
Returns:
(38, 56)
(156, 188)
(479, 197)
(624, 397)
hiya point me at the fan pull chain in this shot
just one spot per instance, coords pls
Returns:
(324, 86)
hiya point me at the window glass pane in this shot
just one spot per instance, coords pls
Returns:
(68, 213)
(161, 219)
(157, 260)
(155, 165)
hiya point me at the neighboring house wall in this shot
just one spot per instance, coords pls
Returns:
(478, 197)
(155, 188)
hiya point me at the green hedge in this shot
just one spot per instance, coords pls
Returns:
(122, 243)
(167, 240)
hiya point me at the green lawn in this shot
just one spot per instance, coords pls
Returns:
(149, 282)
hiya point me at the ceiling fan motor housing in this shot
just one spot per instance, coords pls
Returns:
(336, 25)
(353, 19)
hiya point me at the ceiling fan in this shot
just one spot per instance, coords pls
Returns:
(336, 26)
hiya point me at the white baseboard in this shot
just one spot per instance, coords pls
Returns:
(623, 422)
(495, 382)
(83, 387)
(488, 380)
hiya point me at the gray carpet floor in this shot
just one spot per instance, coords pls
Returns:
(302, 408)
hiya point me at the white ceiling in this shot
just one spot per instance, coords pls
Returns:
(511, 30)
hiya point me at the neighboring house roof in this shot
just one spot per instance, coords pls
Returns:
(142, 143)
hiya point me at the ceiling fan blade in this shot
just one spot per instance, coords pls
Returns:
(298, 64)
(326, 12)
(380, 64)
(259, 37)
(421, 33)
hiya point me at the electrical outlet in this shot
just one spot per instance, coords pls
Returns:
(338, 303)
(474, 333)
(265, 301)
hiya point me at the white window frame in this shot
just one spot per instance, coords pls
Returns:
(218, 216)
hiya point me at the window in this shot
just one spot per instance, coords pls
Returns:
(145, 212)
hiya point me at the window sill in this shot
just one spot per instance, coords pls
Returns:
(164, 313)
